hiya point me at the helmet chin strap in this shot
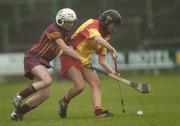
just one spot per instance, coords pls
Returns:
(64, 29)
(105, 30)
(108, 23)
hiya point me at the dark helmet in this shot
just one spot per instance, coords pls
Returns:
(108, 17)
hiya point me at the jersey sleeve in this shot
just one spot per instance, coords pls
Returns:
(102, 51)
(53, 33)
(93, 32)
(89, 33)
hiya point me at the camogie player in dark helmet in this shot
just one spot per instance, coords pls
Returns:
(93, 36)
(110, 18)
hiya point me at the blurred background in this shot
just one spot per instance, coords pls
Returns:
(149, 34)
(149, 51)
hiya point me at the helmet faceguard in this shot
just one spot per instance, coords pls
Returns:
(65, 15)
(109, 17)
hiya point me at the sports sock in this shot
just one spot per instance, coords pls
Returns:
(27, 91)
(65, 101)
(98, 110)
(24, 109)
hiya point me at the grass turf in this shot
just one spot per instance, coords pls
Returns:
(161, 107)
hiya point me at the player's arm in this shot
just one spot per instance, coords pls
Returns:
(69, 51)
(104, 43)
(102, 61)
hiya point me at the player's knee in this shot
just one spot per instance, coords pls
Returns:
(80, 88)
(47, 81)
(96, 84)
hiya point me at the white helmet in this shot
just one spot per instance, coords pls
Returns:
(65, 14)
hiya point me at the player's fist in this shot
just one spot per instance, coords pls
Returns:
(114, 54)
(86, 62)
(116, 74)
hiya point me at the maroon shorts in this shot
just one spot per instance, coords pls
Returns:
(67, 62)
(30, 61)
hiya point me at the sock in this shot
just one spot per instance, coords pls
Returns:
(65, 101)
(24, 109)
(98, 110)
(27, 91)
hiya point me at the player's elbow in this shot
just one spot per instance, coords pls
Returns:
(66, 50)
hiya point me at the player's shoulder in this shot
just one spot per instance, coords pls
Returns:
(92, 23)
(53, 27)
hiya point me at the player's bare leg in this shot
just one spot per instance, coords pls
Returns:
(78, 86)
(92, 78)
(45, 81)
(42, 80)
(45, 78)
(30, 104)
(38, 98)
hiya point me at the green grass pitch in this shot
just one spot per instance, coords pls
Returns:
(161, 107)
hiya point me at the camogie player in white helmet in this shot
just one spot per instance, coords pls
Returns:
(36, 63)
